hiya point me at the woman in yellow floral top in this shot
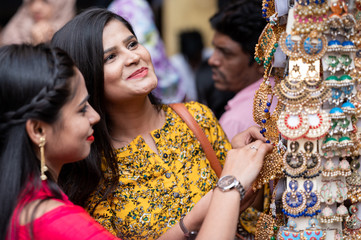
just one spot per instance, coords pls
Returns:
(155, 189)
(153, 169)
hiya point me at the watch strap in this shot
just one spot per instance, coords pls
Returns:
(241, 190)
(189, 235)
(238, 186)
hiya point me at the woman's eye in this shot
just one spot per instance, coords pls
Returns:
(110, 57)
(133, 44)
(84, 109)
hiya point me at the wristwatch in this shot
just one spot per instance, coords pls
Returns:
(189, 235)
(229, 182)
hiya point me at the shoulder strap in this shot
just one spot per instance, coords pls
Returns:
(183, 112)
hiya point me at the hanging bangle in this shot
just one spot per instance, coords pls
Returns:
(189, 235)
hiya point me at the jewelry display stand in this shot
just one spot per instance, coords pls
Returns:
(316, 159)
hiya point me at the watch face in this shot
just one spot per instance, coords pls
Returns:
(226, 182)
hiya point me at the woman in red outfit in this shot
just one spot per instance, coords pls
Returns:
(44, 115)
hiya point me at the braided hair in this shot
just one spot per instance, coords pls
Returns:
(242, 21)
(35, 83)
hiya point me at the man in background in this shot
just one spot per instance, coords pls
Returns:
(237, 28)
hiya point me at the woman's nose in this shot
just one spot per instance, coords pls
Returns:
(94, 116)
(132, 58)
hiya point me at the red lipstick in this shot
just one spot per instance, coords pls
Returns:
(90, 138)
(142, 72)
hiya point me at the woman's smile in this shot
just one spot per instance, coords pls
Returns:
(140, 73)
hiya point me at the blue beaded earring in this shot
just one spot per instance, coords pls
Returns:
(294, 202)
(313, 199)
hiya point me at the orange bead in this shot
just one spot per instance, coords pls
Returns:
(336, 8)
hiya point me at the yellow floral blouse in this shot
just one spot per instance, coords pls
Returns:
(156, 189)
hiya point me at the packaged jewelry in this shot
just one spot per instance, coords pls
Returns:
(313, 199)
(294, 202)
(341, 192)
(313, 161)
(289, 232)
(352, 226)
(349, 24)
(348, 108)
(291, 93)
(339, 122)
(327, 215)
(313, 231)
(354, 182)
(294, 162)
(345, 142)
(330, 148)
(313, 46)
(329, 169)
(326, 194)
(293, 127)
(342, 88)
(333, 191)
(346, 62)
(334, 45)
(319, 124)
(333, 64)
(290, 44)
(341, 213)
(344, 168)
(335, 25)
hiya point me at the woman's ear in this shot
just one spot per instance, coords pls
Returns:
(35, 130)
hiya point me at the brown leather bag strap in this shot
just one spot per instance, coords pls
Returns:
(183, 112)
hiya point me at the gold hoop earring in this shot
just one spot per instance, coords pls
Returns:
(43, 167)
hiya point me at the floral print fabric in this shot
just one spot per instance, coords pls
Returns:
(156, 189)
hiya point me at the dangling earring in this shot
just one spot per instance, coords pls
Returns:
(294, 202)
(43, 167)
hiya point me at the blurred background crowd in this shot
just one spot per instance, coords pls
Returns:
(177, 34)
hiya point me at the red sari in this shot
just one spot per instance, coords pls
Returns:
(65, 222)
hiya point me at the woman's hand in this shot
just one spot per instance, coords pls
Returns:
(250, 135)
(245, 163)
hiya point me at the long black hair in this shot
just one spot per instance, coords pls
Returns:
(34, 84)
(82, 39)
